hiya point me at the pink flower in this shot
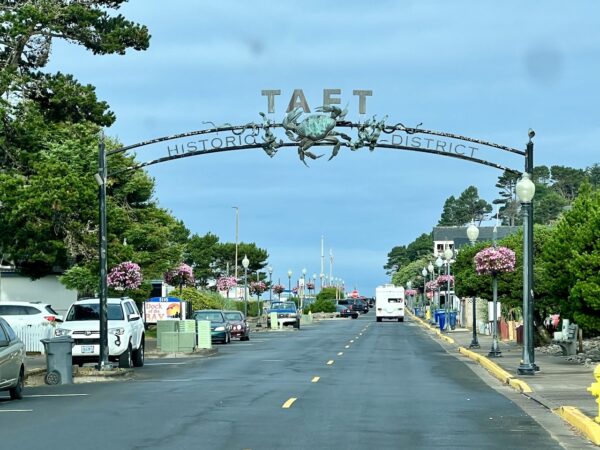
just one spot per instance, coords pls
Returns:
(180, 276)
(226, 283)
(310, 285)
(442, 280)
(126, 275)
(493, 261)
(257, 287)
(278, 288)
(410, 292)
(431, 286)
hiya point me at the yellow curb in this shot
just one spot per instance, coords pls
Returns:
(580, 421)
(519, 385)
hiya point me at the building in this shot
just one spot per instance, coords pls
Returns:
(456, 237)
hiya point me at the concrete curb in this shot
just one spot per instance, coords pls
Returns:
(580, 421)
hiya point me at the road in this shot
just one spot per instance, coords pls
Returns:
(347, 384)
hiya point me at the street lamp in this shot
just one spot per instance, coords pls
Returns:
(270, 270)
(448, 254)
(473, 234)
(424, 273)
(432, 301)
(525, 191)
(245, 263)
(289, 284)
(237, 221)
(321, 276)
(409, 287)
(302, 287)
(314, 282)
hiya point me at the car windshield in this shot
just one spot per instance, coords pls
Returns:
(283, 305)
(92, 312)
(233, 316)
(213, 316)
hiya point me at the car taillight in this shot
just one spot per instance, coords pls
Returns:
(50, 318)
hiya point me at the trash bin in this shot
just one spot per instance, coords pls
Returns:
(452, 320)
(59, 360)
(442, 319)
(417, 311)
(520, 334)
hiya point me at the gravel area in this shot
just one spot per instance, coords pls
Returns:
(589, 357)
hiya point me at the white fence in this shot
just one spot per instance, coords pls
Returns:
(31, 335)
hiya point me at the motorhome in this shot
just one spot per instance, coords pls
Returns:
(389, 302)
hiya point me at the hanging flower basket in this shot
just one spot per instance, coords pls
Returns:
(442, 280)
(431, 286)
(180, 276)
(226, 283)
(493, 261)
(310, 286)
(257, 287)
(278, 288)
(410, 292)
(124, 276)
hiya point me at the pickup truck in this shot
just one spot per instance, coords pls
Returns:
(287, 313)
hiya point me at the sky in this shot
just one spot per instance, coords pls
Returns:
(488, 70)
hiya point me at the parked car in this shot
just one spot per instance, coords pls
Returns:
(126, 333)
(239, 325)
(344, 311)
(349, 303)
(360, 305)
(220, 328)
(12, 362)
(19, 314)
(287, 313)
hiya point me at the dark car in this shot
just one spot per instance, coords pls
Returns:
(220, 328)
(344, 311)
(360, 305)
(239, 326)
(370, 301)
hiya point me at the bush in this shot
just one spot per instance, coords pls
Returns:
(201, 299)
(234, 305)
(322, 305)
(329, 293)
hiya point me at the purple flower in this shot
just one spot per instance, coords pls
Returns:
(257, 287)
(126, 275)
(410, 292)
(494, 261)
(226, 283)
(278, 288)
(431, 286)
(442, 280)
(180, 276)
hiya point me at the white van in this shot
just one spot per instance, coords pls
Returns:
(389, 302)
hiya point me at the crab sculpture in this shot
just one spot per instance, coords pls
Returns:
(315, 129)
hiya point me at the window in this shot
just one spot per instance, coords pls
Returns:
(92, 312)
(394, 300)
(31, 311)
(3, 335)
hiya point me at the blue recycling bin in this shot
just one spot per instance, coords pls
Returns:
(442, 319)
(437, 315)
(417, 311)
(453, 319)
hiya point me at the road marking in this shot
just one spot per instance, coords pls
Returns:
(289, 403)
(356, 337)
(347, 346)
(315, 379)
(163, 381)
(16, 410)
(165, 364)
(272, 360)
(330, 362)
(57, 395)
(351, 341)
(360, 334)
(340, 353)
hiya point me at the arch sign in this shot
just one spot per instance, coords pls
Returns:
(308, 131)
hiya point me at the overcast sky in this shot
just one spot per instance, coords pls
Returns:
(489, 70)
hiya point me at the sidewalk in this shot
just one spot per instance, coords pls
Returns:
(560, 385)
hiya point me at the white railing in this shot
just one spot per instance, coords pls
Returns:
(31, 335)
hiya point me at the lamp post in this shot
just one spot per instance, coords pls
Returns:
(525, 192)
(245, 263)
(473, 234)
(270, 270)
(431, 302)
(495, 350)
(424, 273)
(448, 254)
(302, 288)
(289, 284)
(321, 276)
(409, 287)
(237, 221)
(438, 263)
(314, 282)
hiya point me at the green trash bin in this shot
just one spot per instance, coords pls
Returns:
(59, 360)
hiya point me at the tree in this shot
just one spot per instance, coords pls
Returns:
(224, 254)
(462, 210)
(509, 209)
(566, 181)
(29, 27)
(572, 261)
(200, 253)
(397, 257)
(421, 246)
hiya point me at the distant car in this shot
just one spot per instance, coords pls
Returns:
(220, 328)
(360, 305)
(19, 314)
(344, 311)
(287, 313)
(12, 362)
(239, 325)
(126, 332)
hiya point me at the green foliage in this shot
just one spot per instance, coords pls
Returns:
(241, 306)
(572, 261)
(322, 305)
(399, 257)
(411, 272)
(81, 279)
(460, 211)
(329, 293)
(201, 299)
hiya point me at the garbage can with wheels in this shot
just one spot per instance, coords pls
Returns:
(442, 319)
(452, 320)
(59, 360)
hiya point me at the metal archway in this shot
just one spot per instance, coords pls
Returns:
(328, 128)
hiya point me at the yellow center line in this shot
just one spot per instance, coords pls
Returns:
(340, 353)
(289, 403)
(330, 362)
(315, 379)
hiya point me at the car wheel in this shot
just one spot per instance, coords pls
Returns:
(401, 319)
(297, 324)
(125, 361)
(138, 355)
(16, 393)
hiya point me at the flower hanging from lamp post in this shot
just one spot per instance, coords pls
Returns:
(493, 261)
(278, 289)
(183, 275)
(125, 276)
(226, 283)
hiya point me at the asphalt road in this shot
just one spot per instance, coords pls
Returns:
(343, 384)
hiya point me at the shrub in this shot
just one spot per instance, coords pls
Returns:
(322, 305)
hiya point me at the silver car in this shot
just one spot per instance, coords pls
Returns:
(12, 362)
